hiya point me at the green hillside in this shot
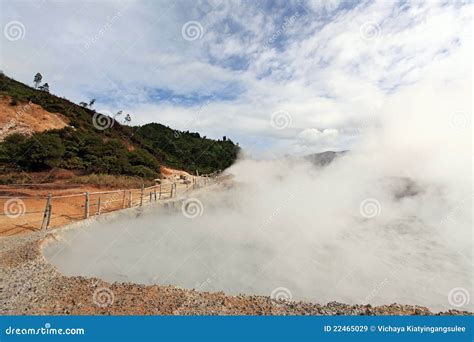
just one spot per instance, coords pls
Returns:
(117, 149)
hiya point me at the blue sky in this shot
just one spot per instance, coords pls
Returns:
(278, 76)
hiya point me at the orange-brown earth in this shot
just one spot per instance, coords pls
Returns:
(168, 172)
(31, 201)
(25, 204)
(27, 118)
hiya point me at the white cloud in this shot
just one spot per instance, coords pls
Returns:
(315, 136)
(320, 69)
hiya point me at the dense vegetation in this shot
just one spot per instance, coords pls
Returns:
(119, 149)
(187, 150)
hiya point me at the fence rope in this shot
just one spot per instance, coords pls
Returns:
(94, 203)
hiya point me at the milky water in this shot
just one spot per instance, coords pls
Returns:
(283, 241)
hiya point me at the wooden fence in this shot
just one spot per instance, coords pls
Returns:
(43, 212)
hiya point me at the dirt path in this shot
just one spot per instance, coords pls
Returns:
(27, 204)
(23, 210)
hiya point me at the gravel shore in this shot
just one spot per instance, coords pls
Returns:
(29, 285)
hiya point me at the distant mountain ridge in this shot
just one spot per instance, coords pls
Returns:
(324, 158)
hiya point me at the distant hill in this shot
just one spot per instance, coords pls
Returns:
(187, 150)
(40, 131)
(323, 158)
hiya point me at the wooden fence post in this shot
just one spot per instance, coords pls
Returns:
(130, 199)
(86, 206)
(47, 213)
(154, 192)
(160, 192)
(98, 206)
(141, 195)
(150, 196)
(123, 201)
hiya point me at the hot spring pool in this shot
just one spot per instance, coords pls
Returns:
(226, 250)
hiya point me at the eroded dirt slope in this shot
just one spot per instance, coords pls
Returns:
(27, 118)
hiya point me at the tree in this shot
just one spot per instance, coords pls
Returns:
(44, 87)
(83, 104)
(14, 147)
(91, 103)
(40, 151)
(37, 79)
(44, 150)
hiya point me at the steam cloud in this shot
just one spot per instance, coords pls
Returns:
(289, 224)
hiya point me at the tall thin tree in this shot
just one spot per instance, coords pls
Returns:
(37, 80)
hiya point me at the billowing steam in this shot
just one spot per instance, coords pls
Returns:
(389, 221)
(334, 233)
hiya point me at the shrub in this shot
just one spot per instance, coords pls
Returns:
(111, 181)
(72, 163)
(143, 171)
(14, 101)
(45, 150)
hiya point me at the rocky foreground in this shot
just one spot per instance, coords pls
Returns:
(31, 286)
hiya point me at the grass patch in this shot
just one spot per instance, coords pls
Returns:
(110, 181)
(14, 178)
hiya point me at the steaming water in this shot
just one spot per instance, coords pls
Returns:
(389, 222)
(307, 234)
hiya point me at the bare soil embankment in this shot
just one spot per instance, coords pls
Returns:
(27, 118)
